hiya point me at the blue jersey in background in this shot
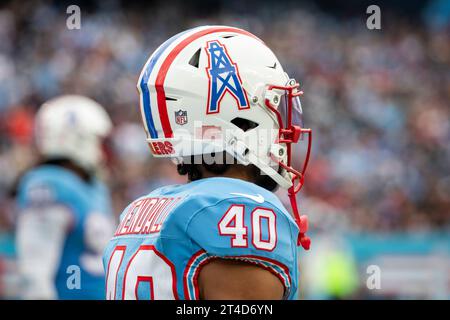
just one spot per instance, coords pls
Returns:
(50, 186)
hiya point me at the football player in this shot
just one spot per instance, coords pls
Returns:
(216, 100)
(65, 219)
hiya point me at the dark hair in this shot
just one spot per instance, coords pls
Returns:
(194, 171)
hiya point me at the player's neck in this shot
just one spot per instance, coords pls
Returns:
(71, 166)
(83, 174)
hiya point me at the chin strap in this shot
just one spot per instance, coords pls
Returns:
(301, 220)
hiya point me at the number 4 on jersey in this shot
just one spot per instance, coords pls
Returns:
(232, 224)
(148, 273)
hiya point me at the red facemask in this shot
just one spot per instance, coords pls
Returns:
(289, 117)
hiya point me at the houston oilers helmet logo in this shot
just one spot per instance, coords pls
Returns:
(223, 77)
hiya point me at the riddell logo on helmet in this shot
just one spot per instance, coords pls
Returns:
(223, 75)
(161, 148)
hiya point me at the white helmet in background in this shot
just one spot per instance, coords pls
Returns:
(72, 127)
(200, 84)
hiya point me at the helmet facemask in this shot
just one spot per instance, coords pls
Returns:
(284, 103)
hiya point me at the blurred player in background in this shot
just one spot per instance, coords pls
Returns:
(65, 217)
(217, 100)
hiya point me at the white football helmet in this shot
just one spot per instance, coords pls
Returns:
(72, 127)
(197, 85)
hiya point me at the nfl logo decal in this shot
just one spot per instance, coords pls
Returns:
(181, 117)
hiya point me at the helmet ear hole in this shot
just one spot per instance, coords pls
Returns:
(244, 124)
(195, 59)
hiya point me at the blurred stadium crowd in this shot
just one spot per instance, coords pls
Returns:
(378, 102)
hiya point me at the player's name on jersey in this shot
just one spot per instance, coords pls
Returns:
(146, 216)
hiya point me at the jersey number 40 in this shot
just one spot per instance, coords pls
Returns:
(148, 274)
(264, 235)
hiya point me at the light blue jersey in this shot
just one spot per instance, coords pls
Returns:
(165, 238)
(88, 206)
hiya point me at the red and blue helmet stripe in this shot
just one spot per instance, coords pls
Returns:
(146, 101)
